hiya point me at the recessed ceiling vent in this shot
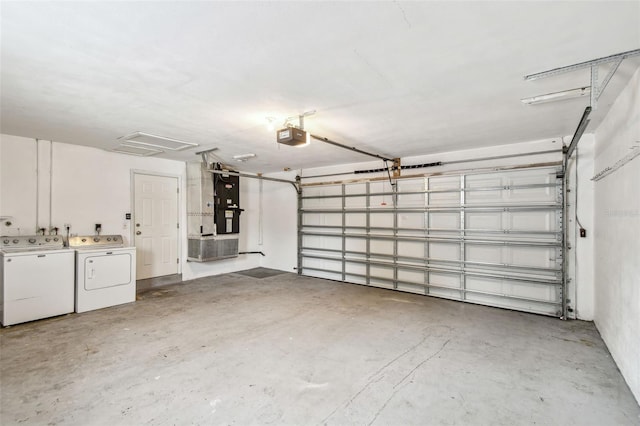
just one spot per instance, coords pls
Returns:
(155, 141)
(141, 151)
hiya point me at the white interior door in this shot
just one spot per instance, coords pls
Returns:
(156, 225)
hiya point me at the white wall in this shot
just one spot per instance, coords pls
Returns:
(617, 235)
(90, 186)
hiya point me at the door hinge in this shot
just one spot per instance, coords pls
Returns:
(178, 225)
(177, 190)
(178, 260)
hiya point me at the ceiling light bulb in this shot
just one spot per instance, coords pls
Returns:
(270, 124)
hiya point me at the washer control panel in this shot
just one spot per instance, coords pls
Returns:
(31, 242)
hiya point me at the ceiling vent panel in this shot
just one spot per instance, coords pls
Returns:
(140, 151)
(146, 139)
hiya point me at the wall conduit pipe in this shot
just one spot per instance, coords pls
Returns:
(50, 183)
(37, 184)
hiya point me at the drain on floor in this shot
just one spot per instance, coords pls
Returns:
(261, 273)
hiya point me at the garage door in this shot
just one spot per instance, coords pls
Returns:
(490, 237)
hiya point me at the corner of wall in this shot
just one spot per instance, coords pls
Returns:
(617, 226)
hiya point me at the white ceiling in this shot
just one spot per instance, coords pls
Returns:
(396, 78)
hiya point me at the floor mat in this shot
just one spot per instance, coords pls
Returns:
(261, 273)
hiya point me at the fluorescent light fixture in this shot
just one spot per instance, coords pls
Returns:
(146, 139)
(140, 151)
(558, 96)
(243, 157)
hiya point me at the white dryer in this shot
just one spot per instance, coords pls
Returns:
(105, 272)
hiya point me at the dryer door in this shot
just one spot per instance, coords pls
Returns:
(107, 270)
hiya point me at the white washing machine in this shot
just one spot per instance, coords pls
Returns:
(105, 272)
(36, 278)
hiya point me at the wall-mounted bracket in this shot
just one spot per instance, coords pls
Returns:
(300, 117)
(397, 167)
(596, 88)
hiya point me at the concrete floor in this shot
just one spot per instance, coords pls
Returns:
(292, 350)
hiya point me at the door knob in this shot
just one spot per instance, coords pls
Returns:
(138, 232)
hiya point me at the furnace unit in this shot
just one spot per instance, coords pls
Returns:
(213, 213)
(227, 203)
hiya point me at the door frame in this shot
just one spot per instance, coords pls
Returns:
(132, 184)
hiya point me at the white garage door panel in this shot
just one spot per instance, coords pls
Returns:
(444, 280)
(411, 249)
(381, 272)
(483, 181)
(484, 254)
(533, 221)
(489, 238)
(353, 268)
(355, 279)
(411, 277)
(444, 220)
(323, 274)
(355, 219)
(543, 257)
(410, 288)
(355, 202)
(444, 293)
(356, 188)
(375, 282)
(332, 219)
(415, 197)
(381, 220)
(445, 251)
(382, 246)
(334, 243)
(485, 221)
(411, 200)
(355, 244)
(380, 200)
(483, 196)
(311, 220)
(412, 220)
